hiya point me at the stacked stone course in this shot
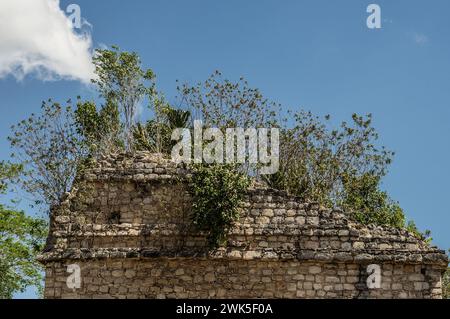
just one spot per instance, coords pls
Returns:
(126, 224)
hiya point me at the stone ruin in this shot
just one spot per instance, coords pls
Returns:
(124, 232)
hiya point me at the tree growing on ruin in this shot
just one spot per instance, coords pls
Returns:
(50, 149)
(122, 81)
(334, 166)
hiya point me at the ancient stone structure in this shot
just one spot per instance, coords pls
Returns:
(126, 225)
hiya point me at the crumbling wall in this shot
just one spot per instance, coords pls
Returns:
(126, 226)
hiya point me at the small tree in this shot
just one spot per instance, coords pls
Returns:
(122, 80)
(367, 204)
(51, 150)
(222, 103)
(101, 130)
(156, 135)
(314, 158)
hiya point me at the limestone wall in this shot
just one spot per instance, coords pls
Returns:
(126, 224)
(212, 278)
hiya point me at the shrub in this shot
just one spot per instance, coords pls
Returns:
(217, 191)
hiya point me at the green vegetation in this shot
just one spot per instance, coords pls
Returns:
(50, 150)
(21, 238)
(217, 191)
(122, 82)
(339, 165)
(446, 284)
(155, 136)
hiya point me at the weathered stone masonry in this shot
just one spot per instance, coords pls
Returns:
(126, 224)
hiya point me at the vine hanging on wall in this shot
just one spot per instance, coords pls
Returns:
(217, 192)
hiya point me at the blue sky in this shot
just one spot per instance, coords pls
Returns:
(317, 55)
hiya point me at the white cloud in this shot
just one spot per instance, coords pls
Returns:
(37, 38)
(420, 38)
